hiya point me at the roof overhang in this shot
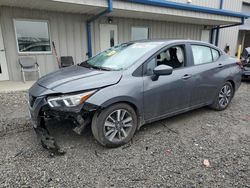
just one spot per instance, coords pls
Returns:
(246, 9)
(142, 9)
(246, 26)
(175, 12)
(90, 7)
(190, 7)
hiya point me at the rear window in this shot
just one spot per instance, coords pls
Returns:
(216, 54)
(201, 54)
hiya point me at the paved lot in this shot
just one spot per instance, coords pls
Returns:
(169, 153)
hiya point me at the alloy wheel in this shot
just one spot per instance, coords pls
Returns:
(225, 96)
(118, 125)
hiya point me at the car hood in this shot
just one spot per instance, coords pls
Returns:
(77, 78)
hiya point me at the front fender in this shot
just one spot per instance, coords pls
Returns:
(128, 91)
(126, 99)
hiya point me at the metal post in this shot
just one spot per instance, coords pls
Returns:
(89, 41)
(212, 36)
(88, 26)
(217, 36)
(218, 28)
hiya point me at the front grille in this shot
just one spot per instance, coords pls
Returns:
(32, 100)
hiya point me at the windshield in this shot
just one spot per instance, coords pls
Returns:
(120, 57)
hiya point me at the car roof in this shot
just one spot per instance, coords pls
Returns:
(167, 41)
(172, 41)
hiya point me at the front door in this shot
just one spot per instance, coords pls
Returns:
(3, 63)
(168, 94)
(108, 36)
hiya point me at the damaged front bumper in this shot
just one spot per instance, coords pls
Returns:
(40, 112)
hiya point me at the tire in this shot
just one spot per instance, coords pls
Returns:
(110, 132)
(221, 96)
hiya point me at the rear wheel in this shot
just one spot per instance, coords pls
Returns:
(223, 97)
(115, 125)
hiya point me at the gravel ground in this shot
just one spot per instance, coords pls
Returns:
(13, 112)
(168, 153)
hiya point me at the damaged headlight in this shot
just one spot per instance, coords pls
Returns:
(69, 100)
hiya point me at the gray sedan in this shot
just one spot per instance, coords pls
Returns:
(119, 90)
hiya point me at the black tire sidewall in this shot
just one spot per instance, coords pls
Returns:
(99, 120)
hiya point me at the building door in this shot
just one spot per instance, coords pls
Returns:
(205, 36)
(3, 63)
(108, 36)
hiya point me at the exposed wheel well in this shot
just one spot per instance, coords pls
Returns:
(130, 104)
(232, 82)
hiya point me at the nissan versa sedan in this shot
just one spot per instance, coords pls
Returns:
(119, 90)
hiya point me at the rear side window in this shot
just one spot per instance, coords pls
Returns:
(201, 54)
(216, 54)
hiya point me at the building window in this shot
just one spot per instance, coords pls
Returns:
(139, 33)
(32, 36)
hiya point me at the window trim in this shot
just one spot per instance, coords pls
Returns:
(210, 47)
(139, 26)
(33, 52)
(216, 51)
(186, 64)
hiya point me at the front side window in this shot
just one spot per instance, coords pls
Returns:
(120, 57)
(32, 36)
(150, 66)
(173, 57)
(139, 33)
(201, 54)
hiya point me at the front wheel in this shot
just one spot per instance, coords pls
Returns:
(223, 97)
(115, 125)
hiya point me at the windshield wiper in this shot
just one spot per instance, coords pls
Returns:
(84, 64)
(106, 68)
(87, 65)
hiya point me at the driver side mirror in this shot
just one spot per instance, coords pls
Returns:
(161, 70)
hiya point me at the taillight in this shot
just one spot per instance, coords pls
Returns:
(239, 63)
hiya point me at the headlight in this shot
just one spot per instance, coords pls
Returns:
(69, 100)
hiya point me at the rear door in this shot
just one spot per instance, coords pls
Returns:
(170, 93)
(207, 71)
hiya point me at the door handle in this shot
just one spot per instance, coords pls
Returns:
(220, 65)
(2, 50)
(186, 76)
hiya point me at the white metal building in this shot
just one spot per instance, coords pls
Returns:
(79, 27)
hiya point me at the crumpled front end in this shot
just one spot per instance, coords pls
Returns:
(40, 112)
(36, 106)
